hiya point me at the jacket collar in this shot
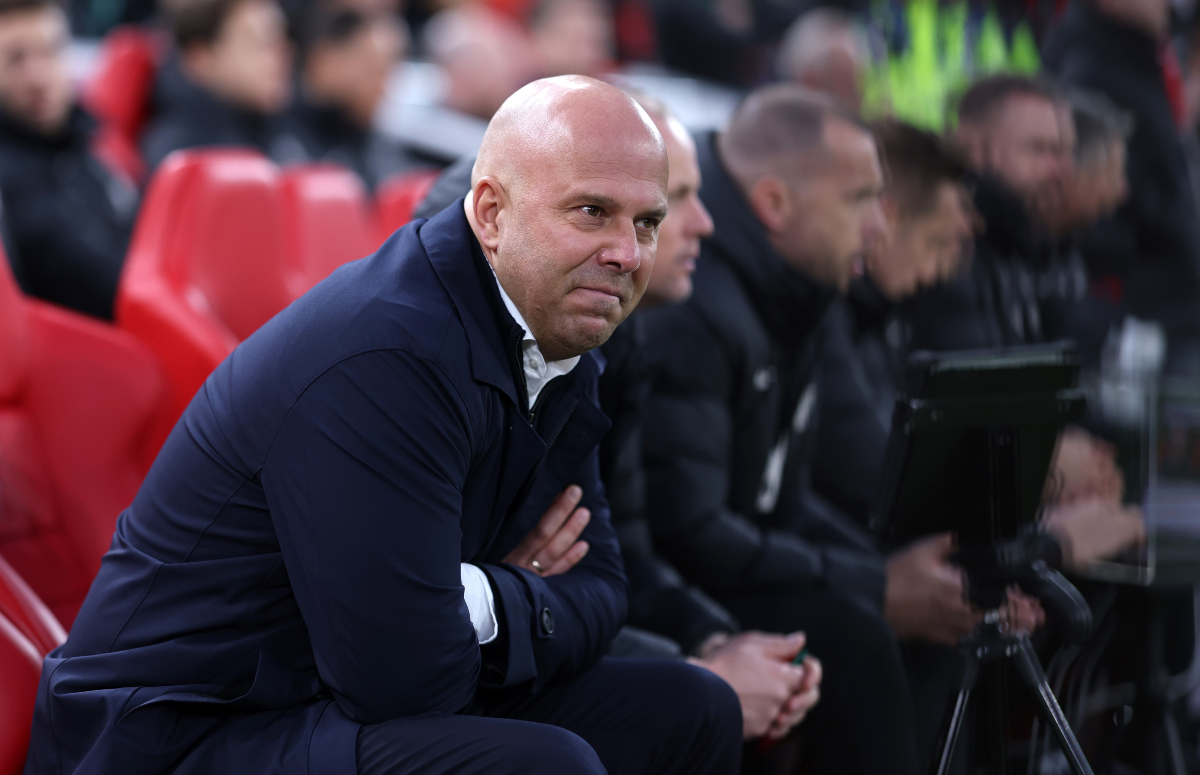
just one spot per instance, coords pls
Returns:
(492, 334)
(76, 133)
(789, 301)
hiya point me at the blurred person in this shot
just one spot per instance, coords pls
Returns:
(1097, 187)
(386, 548)
(69, 217)
(347, 53)
(826, 50)
(572, 37)
(793, 189)
(928, 228)
(672, 618)
(1017, 139)
(228, 81)
(1114, 47)
(486, 57)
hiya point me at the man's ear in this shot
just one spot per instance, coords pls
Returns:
(486, 210)
(772, 202)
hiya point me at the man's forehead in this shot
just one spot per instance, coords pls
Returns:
(617, 189)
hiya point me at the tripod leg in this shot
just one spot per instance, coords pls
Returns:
(1031, 672)
(953, 723)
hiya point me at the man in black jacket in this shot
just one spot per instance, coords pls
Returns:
(1112, 47)
(69, 217)
(227, 81)
(1017, 137)
(793, 187)
(928, 216)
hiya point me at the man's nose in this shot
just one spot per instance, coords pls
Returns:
(874, 224)
(701, 219)
(623, 251)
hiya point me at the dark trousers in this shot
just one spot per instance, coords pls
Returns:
(622, 716)
(864, 724)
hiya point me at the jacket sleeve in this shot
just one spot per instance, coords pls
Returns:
(364, 485)
(689, 441)
(555, 627)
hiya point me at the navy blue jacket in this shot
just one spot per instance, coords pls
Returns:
(289, 570)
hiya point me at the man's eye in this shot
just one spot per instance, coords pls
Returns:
(591, 210)
(647, 223)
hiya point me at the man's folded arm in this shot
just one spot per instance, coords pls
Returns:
(557, 626)
(364, 485)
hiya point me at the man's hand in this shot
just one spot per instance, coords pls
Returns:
(926, 595)
(1084, 467)
(1093, 529)
(553, 546)
(775, 694)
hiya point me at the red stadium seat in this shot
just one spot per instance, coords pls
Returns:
(399, 196)
(119, 95)
(27, 612)
(82, 413)
(327, 222)
(207, 265)
(20, 668)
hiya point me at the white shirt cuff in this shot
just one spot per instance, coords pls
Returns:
(482, 606)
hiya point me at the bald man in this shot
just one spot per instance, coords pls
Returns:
(377, 541)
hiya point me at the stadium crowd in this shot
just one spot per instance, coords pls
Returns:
(661, 508)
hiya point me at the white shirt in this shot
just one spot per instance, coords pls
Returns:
(476, 589)
(538, 372)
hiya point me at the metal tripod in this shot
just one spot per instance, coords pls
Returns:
(989, 643)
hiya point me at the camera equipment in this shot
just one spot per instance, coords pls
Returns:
(973, 436)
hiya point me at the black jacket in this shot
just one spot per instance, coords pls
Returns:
(660, 600)
(866, 341)
(729, 427)
(311, 132)
(1157, 226)
(69, 218)
(186, 115)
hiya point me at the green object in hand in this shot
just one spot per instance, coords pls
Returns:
(803, 655)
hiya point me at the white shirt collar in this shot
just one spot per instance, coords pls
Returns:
(538, 372)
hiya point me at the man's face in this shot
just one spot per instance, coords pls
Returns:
(1028, 146)
(686, 223)
(354, 73)
(250, 61)
(35, 85)
(835, 209)
(919, 250)
(1097, 188)
(577, 240)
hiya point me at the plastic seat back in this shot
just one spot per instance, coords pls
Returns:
(327, 222)
(118, 95)
(82, 414)
(207, 263)
(397, 197)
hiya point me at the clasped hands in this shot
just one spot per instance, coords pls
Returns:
(774, 693)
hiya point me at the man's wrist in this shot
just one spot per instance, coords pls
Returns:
(709, 645)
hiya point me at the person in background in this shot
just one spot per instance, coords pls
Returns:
(726, 41)
(486, 57)
(826, 50)
(1114, 47)
(793, 189)
(572, 37)
(1096, 189)
(226, 83)
(347, 53)
(1017, 139)
(69, 217)
(928, 220)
